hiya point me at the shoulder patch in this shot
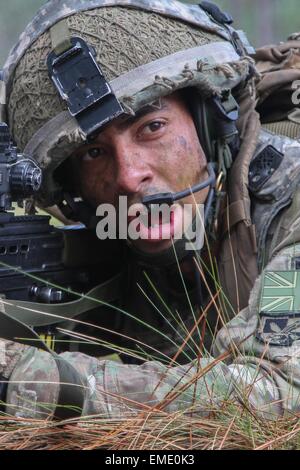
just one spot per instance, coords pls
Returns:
(279, 312)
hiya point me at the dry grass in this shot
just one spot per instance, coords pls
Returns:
(229, 427)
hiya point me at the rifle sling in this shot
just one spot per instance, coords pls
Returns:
(34, 314)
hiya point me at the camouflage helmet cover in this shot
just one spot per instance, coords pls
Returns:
(146, 49)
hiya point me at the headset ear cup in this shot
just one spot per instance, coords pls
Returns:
(215, 129)
(200, 112)
(206, 137)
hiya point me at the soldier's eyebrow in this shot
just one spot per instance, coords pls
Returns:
(127, 121)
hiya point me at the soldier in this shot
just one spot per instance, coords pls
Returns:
(167, 122)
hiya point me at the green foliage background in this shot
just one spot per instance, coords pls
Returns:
(264, 20)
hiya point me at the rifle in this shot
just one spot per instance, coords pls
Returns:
(63, 267)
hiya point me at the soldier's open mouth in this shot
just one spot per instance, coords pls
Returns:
(159, 229)
(155, 227)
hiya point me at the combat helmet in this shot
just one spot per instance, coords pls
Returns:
(145, 49)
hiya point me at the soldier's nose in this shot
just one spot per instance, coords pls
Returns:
(133, 172)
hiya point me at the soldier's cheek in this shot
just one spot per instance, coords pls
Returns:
(179, 162)
(94, 187)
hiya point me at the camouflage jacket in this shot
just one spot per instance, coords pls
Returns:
(255, 356)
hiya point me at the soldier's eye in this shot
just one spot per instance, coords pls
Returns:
(93, 153)
(155, 126)
(151, 128)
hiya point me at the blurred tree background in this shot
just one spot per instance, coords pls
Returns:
(264, 21)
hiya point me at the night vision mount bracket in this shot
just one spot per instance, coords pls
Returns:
(81, 83)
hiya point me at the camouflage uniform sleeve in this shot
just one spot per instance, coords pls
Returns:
(10, 354)
(115, 390)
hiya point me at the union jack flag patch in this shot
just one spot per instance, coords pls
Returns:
(280, 308)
